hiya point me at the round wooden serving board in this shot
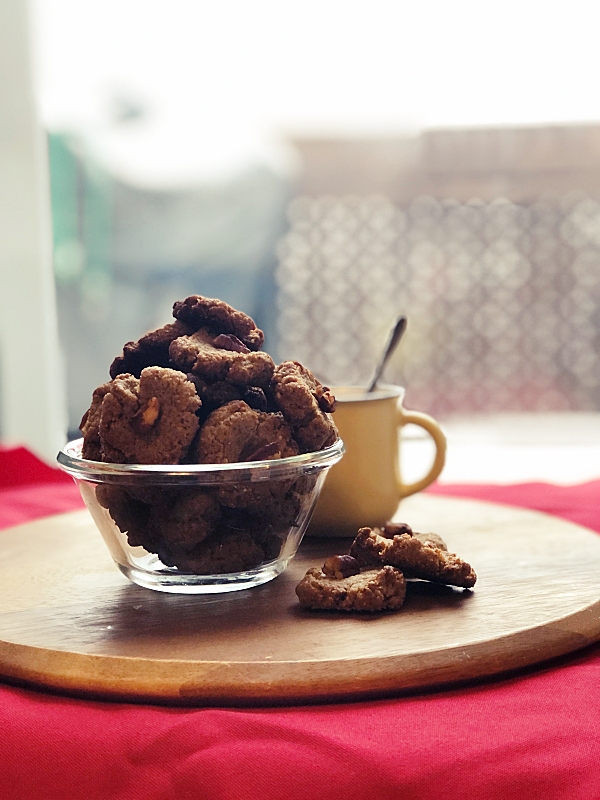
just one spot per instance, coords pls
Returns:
(71, 622)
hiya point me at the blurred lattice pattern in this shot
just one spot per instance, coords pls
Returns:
(503, 300)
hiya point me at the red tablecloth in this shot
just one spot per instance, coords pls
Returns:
(536, 735)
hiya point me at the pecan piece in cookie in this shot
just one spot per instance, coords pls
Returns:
(416, 558)
(381, 589)
(213, 358)
(152, 350)
(148, 421)
(220, 318)
(306, 404)
(341, 567)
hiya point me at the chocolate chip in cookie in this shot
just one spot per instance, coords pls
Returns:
(391, 529)
(213, 359)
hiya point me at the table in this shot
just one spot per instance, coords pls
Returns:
(534, 734)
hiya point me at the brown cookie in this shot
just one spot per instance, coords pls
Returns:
(267, 506)
(123, 390)
(305, 403)
(229, 551)
(152, 350)
(148, 421)
(214, 395)
(416, 559)
(264, 532)
(129, 514)
(381, 589)
(432, 539)
(90, 425)
(270, 543)
(235, 432)
(221, 358)
(270, 500)
(169, 519)
(391, 529)
(218, 317)
(184, 517)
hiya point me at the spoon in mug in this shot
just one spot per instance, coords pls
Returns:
(395, 335)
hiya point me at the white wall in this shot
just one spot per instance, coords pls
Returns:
(32, 403)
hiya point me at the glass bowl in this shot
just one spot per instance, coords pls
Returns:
(201, 528)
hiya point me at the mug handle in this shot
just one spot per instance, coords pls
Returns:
(433, 429)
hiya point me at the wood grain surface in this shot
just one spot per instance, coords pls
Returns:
(71, 622)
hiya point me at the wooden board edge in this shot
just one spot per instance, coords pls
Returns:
(193, 683)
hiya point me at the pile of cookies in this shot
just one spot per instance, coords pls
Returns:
(373, 576)
(200, 391)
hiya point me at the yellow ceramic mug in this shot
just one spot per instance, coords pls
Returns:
(365, 487)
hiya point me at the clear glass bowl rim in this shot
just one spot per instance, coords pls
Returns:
(70, 460)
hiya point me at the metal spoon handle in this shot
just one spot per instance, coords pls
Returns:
(392, 342)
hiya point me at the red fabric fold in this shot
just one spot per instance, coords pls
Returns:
(579, 503)
(30, 489)
(535, 735)
(19, 467)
